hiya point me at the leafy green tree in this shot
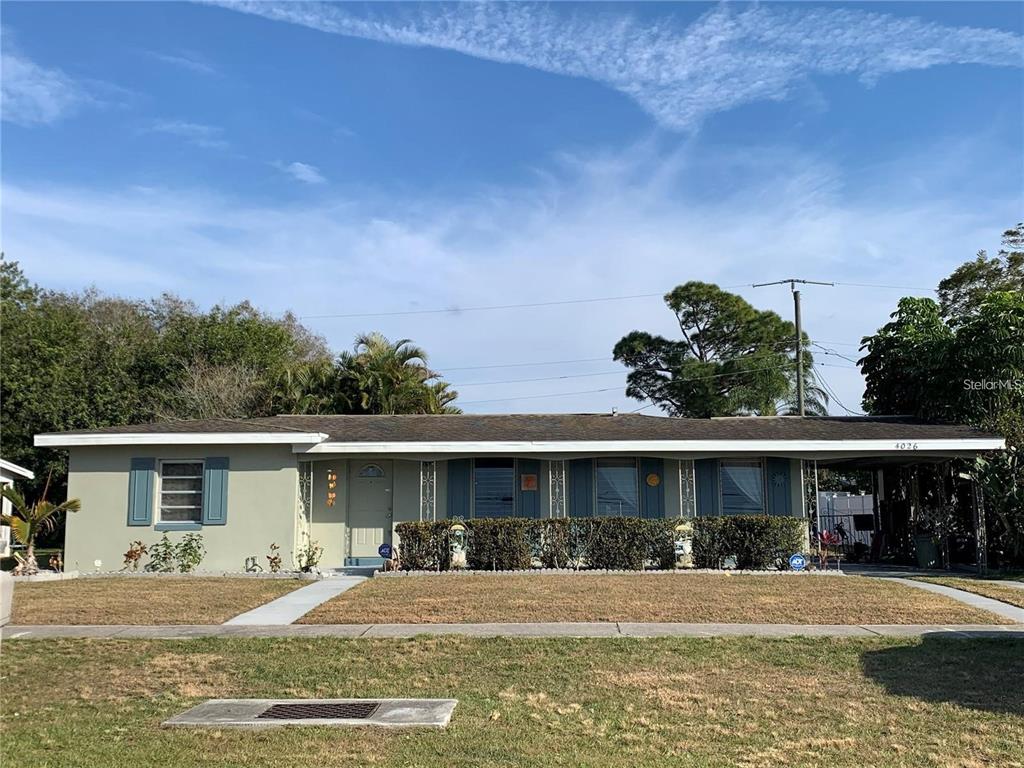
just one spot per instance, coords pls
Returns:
(733, 359)
(962, 292)
(80, 361)
(906, 362)
(963, 361)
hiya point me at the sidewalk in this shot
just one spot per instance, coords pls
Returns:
(566, 630)
(296, 604)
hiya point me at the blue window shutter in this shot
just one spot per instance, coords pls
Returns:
(215, 491)
(581, 488)
(459, 487)
(140, 491)
(652, 497)
(778, 482)
(527, 502)
(706, 474)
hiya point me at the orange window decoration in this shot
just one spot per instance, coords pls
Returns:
(332, 483)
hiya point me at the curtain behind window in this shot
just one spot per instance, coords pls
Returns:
(742, 488)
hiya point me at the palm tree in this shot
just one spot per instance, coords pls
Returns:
(27, 523)
(317, 387)
(441, 398)
(391, 376)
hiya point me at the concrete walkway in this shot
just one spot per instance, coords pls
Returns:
(297, 603)
(565, 630)
(1007, 611)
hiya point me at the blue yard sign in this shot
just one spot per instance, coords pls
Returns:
(384, 550)
(797, 562)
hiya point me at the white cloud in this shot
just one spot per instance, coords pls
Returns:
(33, 94)
(592, 226)
(308, 174)
(678, 73)
(205, 136)
(190, 60)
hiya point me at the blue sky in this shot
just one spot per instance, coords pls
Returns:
(350, 159)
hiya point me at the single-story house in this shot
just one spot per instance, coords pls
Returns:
(9, 473)
(345, 481)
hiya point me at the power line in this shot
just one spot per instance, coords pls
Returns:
(538, 397)
(447, 368)
(527, 365)
(832, 393)
(562, 302)
(459, 310)
(609, 389)
(542, 378)
(893, 287)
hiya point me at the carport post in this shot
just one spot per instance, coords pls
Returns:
(980, 537)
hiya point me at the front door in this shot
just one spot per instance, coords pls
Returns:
(369, 507)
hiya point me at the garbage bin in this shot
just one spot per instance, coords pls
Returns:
(927, 550)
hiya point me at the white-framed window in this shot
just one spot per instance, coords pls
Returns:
(180, 494)
(742, 484)
(616, 487)
(371, 470)
(494, 487)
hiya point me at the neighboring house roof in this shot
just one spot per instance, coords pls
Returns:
(10, 468)
(539, 432)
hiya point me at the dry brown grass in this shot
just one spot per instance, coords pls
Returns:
(125, 600)
(692, 598)
(997, 590)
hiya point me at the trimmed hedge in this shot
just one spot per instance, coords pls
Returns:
(755, 541)
(425, 546)
(504, 544)
(499, 544)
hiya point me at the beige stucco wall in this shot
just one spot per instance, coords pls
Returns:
(327, 523)
(262, 487)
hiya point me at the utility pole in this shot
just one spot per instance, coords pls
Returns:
(799, 333)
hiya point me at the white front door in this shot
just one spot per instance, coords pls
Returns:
(369, 507)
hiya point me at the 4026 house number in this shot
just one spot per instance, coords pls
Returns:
(906, 446)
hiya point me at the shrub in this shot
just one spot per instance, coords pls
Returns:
(515, 543)
(424, 546)
(134, 554)
(309, 556)
(161, 556)
(501, 544)
(189, 552)
(166, 556)
(755, 541)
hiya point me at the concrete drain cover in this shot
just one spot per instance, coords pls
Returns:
(269, 713)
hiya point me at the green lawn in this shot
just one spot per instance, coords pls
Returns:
(525, 702)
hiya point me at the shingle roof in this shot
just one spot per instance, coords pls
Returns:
(564, 427)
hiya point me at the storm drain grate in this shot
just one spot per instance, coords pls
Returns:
(338, 713)
(355, 710)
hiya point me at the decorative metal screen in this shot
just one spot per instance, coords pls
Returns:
(556, 487)
(305, 489)
(687, 489)
(809, 474)
(428, 489)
